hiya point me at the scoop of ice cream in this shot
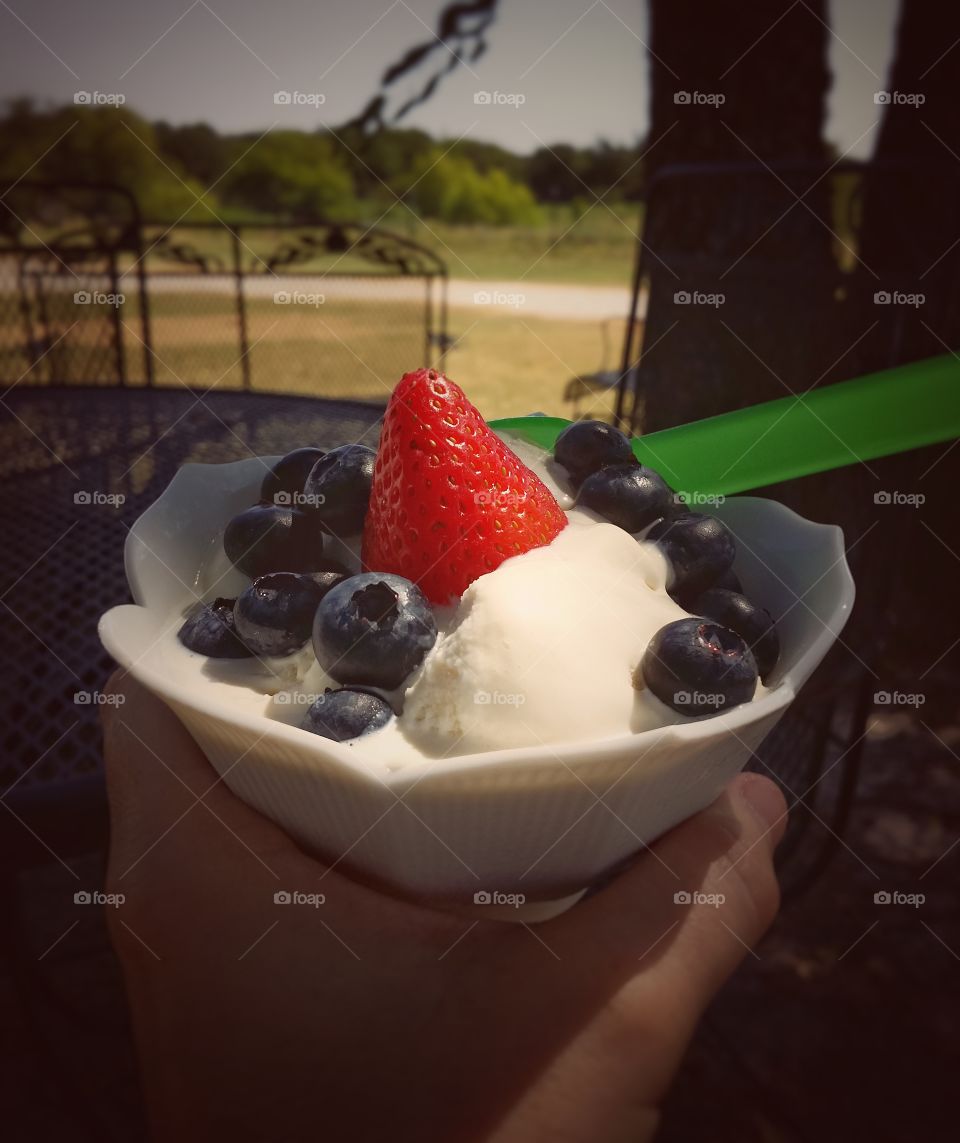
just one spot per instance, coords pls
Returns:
(541, 651)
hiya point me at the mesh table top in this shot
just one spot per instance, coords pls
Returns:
(60, 451)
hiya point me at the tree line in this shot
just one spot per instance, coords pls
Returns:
(305, 176)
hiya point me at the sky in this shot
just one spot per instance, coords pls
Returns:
(579, 65)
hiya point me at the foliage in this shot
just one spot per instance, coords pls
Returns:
(306, 176)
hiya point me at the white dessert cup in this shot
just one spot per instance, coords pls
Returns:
(542, 822)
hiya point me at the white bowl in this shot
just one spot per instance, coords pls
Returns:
(543, 822)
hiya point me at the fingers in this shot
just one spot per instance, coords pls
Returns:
(694, 905)
(157, 776)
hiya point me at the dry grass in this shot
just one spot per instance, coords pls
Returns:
(508, 364)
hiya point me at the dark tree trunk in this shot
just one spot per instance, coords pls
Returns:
(740, 236)
(910, 244)
(911, 217)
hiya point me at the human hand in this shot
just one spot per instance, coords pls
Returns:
(372, 1018)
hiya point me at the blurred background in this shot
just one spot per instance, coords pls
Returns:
(228, 229)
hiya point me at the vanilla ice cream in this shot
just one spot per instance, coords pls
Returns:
(542, 650)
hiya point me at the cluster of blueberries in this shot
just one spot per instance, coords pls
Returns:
(707, 663)
(369, 631)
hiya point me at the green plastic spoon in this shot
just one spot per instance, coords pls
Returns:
(872, 416)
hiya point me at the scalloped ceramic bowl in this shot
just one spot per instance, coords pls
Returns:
(545, 821)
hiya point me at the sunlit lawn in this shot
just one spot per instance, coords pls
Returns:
(508, 364)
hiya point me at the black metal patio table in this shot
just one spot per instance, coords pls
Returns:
(78, 466)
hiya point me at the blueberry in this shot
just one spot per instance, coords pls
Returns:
(274, 615)
(284, 482)
(729, 581)
(325, 580)
(628, 495)
(587, 446)
(346, 713)
(274, 537)
(698, 548)
(373, 629)
(698, 667)
(341, 483)
(753, 624)
(209, 630)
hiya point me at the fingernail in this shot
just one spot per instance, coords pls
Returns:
(766, 801)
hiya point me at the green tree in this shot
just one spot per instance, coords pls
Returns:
(97, 145)
(448, 187)
(292, 174)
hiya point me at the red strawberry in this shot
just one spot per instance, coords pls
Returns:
(449, 501)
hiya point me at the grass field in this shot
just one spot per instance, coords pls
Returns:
(508, 363)
(596, 248)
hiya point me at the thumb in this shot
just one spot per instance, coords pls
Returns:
(681, 919)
